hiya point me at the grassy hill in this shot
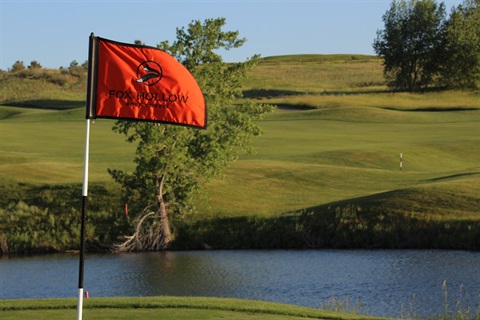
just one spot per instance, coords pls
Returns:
(332, 148)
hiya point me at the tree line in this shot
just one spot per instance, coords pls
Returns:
(422, 47)
(74, 66)
(75, 72)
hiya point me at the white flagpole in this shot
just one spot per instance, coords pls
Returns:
(90, 114)
(82, 229)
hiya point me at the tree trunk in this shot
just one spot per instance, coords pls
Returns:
(164, 226)
(152, 231)
(152, 228)
(164, 223)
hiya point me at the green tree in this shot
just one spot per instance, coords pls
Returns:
(411, 43)
(75, 69)
(18, 66)
(35, 65)
(174, 162)
(461, 64)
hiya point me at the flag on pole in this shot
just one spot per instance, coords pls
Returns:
(143, 83)
(135, 82)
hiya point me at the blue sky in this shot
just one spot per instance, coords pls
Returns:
(55, 32)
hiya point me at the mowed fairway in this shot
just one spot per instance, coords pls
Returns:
(337, 136)
(309, 158)
(47, 146)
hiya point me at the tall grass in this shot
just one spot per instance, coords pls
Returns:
(313, 74)
(461, 310)
(42, 88)
(344, 306)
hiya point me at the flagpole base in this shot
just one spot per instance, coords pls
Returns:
(80, 304)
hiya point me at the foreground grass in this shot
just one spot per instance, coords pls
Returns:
(172, 308)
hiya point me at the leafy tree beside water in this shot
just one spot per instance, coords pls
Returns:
(173, 162)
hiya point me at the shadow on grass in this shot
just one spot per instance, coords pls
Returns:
(275, 93)
(433, 109)
(453, 176)
(388, 220)
(293, 107)
(47, 104)
(270, 93)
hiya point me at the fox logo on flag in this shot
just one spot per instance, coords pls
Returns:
(142, 83)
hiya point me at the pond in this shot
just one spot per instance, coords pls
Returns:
(392, 283)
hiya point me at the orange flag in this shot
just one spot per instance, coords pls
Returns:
(143, 83)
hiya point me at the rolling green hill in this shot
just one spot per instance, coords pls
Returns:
(334, 143)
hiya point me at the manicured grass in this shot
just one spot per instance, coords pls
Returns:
(430, 101)
(335, 139)
(304, 159)
(173, 308)
(313, 157)
(48, 146)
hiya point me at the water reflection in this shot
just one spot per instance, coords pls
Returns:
(385, 281)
